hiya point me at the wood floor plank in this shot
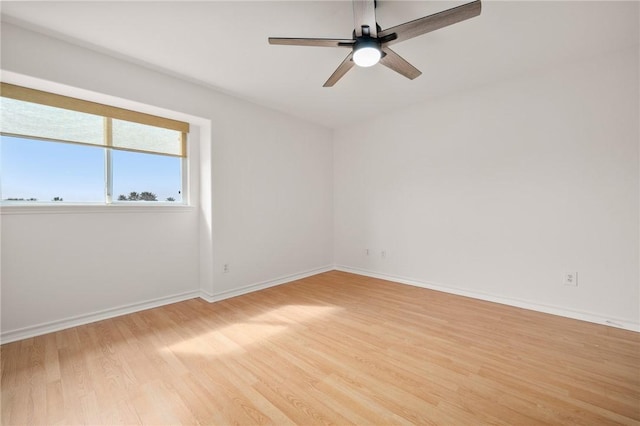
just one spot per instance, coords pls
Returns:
(334, 348)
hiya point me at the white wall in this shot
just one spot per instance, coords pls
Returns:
(266, 203)
(496, 192)
(61, 266)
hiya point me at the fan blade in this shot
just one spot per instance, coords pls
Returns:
(432, 22)
(364, 13)
(342, 69)
(399, 64)
(321, 42)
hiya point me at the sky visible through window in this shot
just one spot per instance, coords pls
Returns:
(76, 173)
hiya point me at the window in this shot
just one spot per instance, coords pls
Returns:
(56, 149)
(35, 170)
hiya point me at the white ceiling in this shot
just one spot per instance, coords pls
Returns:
(224, 45)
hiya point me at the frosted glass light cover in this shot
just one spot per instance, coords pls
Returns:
(366, 56)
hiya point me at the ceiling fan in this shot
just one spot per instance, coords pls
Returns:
(370, 43)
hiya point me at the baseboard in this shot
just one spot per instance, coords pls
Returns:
(44, 328)
(216, 297)
(554, 310)
(50, 327)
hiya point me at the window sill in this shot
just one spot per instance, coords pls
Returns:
(70, 208)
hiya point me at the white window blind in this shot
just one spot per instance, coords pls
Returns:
(35, 114)
(132, 136)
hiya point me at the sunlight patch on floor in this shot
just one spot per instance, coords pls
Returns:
(237, 337)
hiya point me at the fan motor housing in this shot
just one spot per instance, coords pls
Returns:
(366, 41)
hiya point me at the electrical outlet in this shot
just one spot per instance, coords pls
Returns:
(366, 252)
(225, 268)
(383, 254)
(570, 279)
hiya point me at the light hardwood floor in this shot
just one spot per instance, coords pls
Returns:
(335, 348)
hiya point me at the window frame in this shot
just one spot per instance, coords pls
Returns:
(108, 112)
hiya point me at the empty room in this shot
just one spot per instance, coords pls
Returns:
(320, 212)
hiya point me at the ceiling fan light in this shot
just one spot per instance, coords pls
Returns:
(367, 56)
